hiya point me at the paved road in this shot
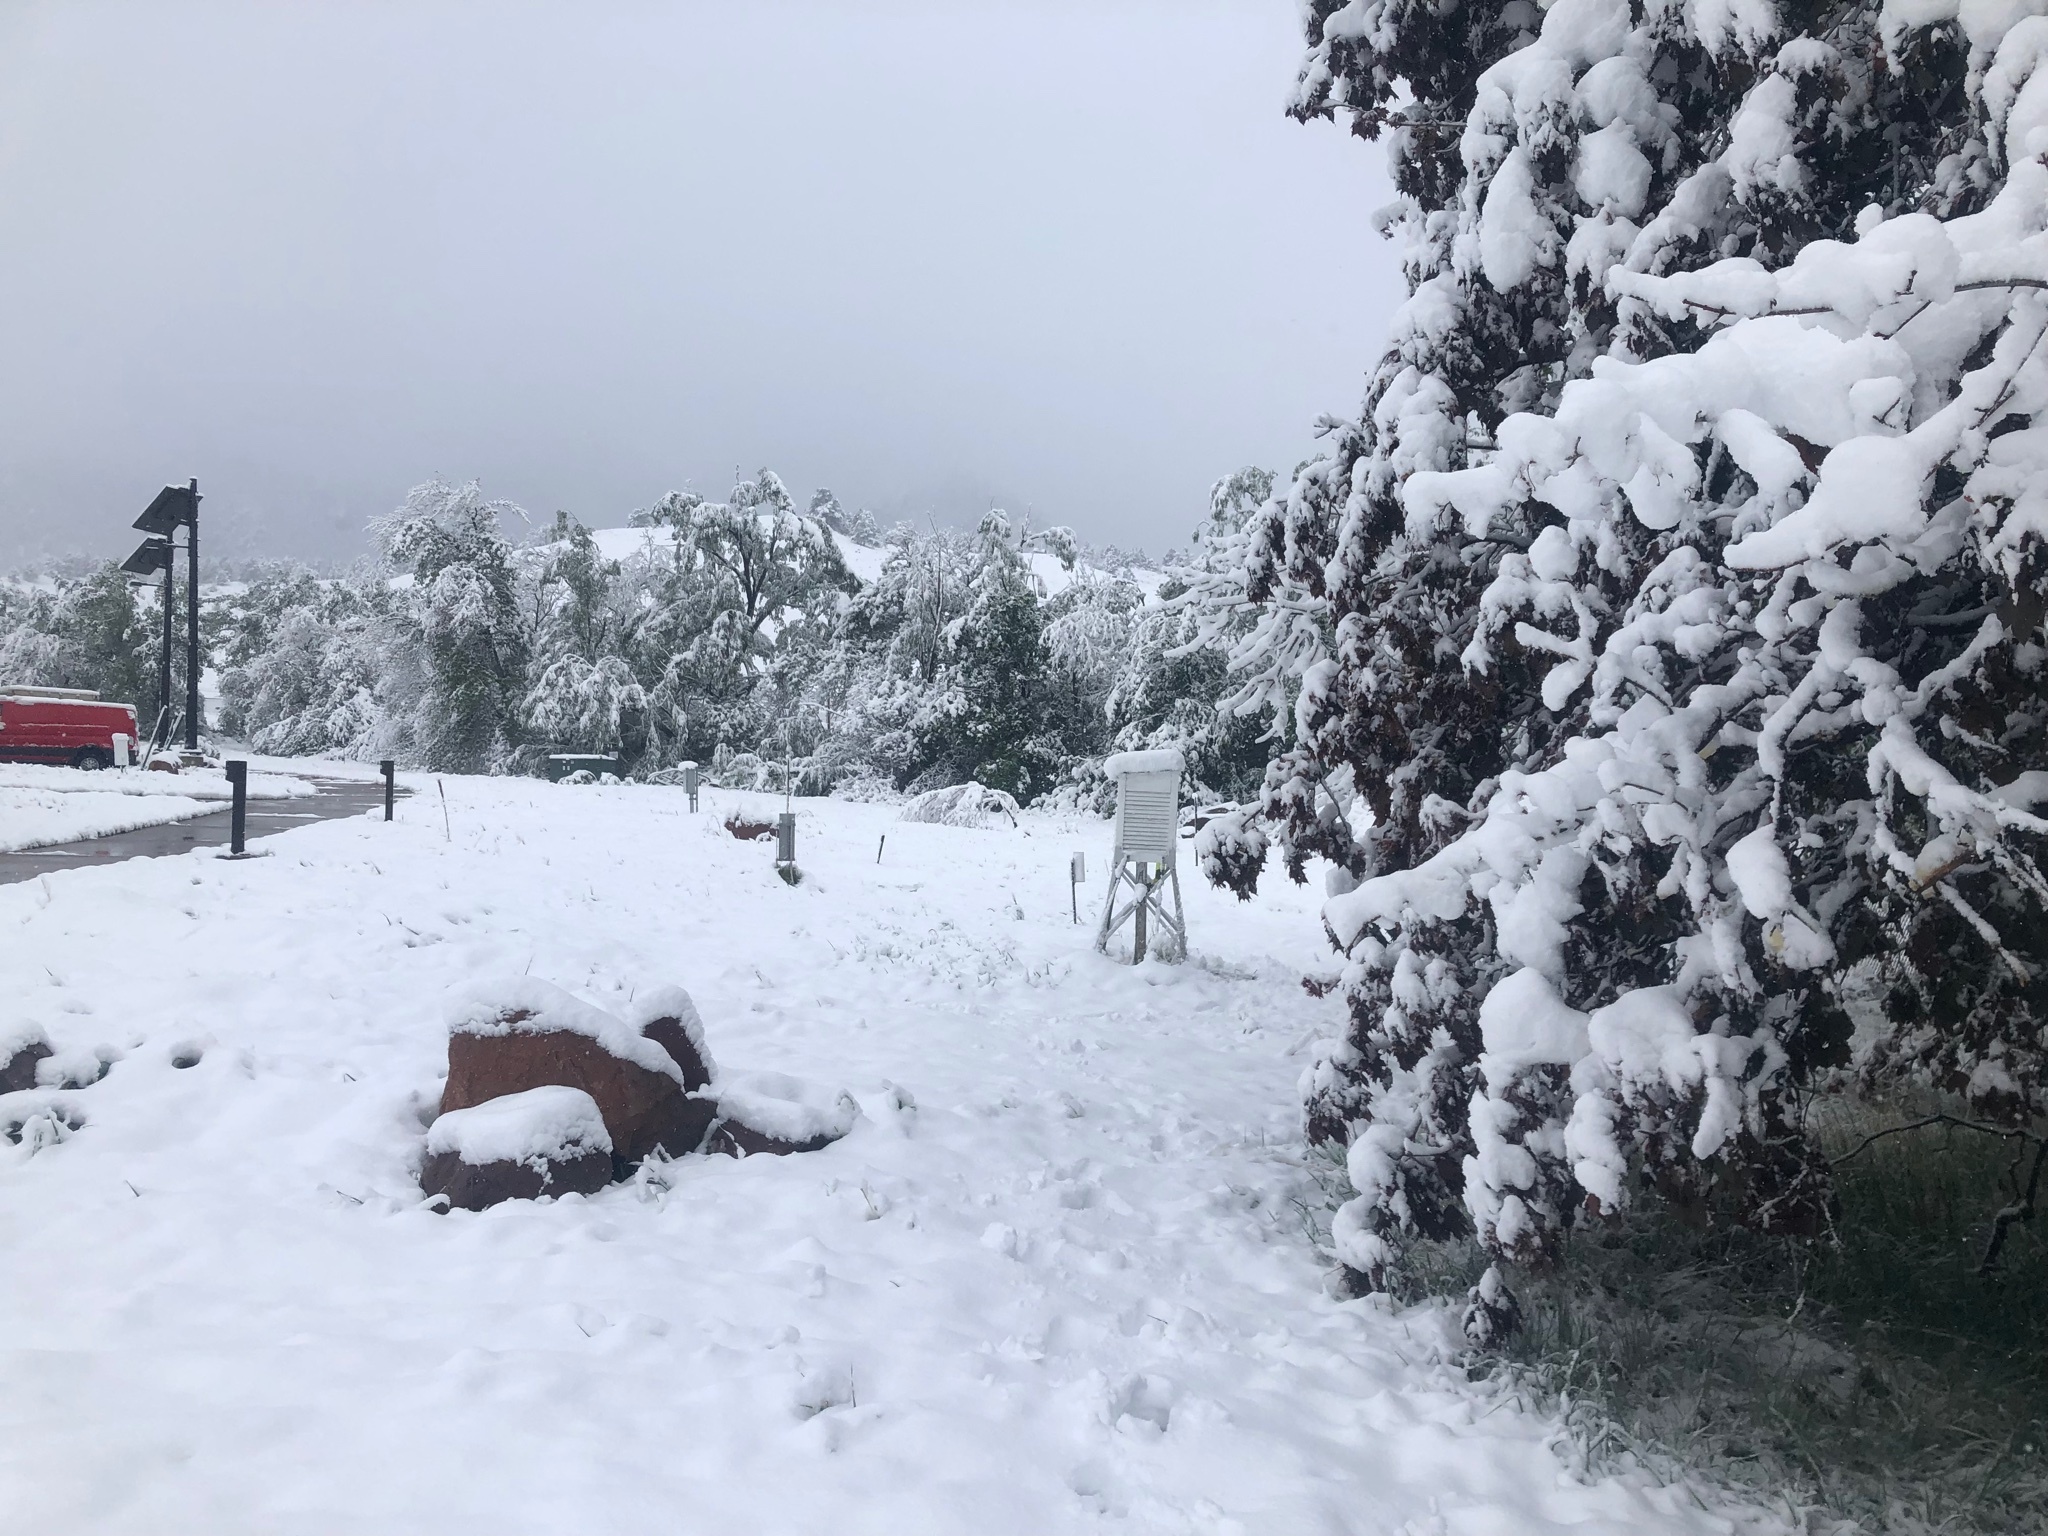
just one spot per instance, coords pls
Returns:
(336, 797)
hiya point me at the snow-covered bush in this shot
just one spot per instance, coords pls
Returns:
(963, 805)
(1683, 601)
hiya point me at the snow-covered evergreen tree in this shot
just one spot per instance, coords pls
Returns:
(989, 723)
(1505, 597)
(86, 631)
(299, 666)
(458, 677)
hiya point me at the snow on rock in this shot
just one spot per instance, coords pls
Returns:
(508, 1036)
(22, 1045)
(775, 1113)
(668, 1016)
(544, 1122)
(549, 1140)
(962, 805)
(527, 1005)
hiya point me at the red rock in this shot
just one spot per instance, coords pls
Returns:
(528, 1035)
(473, 1187)
(546, 1141)
(667, 1016)
(773, 1114)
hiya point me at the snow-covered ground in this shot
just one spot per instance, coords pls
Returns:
(40, 806)
(1057, 1279)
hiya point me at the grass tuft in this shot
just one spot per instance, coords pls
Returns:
(1872, 1376)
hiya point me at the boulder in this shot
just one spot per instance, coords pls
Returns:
(667, 1016)
(769, 1112)
(21, 1047)
(545, 1141)
(510, 1036)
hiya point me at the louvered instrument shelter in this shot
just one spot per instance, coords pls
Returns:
(1142, 869)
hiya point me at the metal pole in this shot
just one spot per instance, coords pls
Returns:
(170, 610)
(390, 768)
(238, 777)
(192, 624)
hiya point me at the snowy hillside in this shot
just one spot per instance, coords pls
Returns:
(1059, 1276)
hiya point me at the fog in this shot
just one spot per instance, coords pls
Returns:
(1070, 259)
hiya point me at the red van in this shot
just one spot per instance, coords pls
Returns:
(65, 726)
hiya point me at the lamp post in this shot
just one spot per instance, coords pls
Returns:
(175, 505)
(192, 617)
(152, 556)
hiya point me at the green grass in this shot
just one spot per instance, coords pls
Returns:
(1872, 1376)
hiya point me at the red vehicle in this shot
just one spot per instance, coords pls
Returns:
(65, 726)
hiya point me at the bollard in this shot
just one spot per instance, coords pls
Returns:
(1077, 873)
(785, 847)
(238, 777)
(389, 769)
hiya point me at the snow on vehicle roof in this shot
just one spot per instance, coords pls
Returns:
(65, 695)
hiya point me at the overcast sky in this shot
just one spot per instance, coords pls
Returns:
(1071, 258)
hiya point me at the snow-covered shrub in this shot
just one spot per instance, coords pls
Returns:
(1231, 851)
(456, 673)
(1674, 603)
(963, 805)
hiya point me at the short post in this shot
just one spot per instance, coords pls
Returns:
(389, 768)
(692, 777)
(238, 818)
(1077, 871)
(785, 846)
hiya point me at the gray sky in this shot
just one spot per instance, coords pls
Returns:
(1071, 257)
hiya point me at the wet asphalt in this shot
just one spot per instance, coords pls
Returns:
(334, 798)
